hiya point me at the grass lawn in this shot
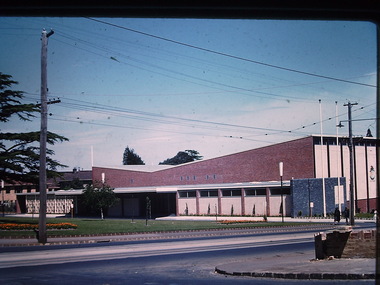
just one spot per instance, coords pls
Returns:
(108, 226)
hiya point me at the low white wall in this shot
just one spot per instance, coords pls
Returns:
(255, 206)
(275, 204)
(208, 203)
(227, 204)
(191, 206)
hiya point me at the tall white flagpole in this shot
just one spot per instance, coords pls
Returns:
(337, 155)
(322, 161)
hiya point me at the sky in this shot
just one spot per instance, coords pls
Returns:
(160, 86)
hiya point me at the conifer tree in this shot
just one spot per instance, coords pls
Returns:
(19, 151)
(131, 158)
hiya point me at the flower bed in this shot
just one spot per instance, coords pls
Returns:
(230, 222)
(20, 227)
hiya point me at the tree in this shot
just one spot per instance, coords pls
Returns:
(19, 153)
(369, 133)
(131, 158)
(99, 197)
(183, 157)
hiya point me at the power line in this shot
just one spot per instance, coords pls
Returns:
(139, 115)
(256, 91)
(229, 55)
(241, 89)
(160, 118)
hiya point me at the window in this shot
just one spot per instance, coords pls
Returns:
(209, 193)
(256, 192)
(277, 191)
(231, 192)
(187, 194)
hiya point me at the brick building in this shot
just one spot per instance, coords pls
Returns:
(248, 182)
(244, 183)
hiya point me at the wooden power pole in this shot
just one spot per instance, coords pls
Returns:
(42, 236)
(351, 146)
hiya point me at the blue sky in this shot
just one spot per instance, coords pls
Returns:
(161, 86)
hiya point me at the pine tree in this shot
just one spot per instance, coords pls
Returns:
(19, 155)
(131, 158)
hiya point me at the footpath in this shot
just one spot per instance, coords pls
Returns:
(302, 266)
(298, 265)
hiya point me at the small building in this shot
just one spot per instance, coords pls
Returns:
(60, 194)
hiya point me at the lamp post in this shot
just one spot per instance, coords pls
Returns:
(2, 193)
(281, 167)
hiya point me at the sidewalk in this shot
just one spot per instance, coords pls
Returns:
(297, 266)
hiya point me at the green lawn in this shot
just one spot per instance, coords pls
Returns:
(96, 226)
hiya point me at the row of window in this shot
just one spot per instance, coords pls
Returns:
(344, 142)
(189, 177)
(9, 190)
(234, 192)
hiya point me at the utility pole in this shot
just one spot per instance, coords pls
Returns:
(350, 147)
(41, 235)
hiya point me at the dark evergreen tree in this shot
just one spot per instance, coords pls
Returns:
(131, 158)
(19, 152)
(182, 157)
(369, 133)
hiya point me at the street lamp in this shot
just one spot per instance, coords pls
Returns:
(2, 193)
(281, 167)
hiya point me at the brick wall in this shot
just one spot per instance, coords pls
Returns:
(344, 243)
(361, 244)
(253, 165)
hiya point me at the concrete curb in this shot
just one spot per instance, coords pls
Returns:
(300, 276)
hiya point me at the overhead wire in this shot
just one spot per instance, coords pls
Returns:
(240, 89)
(160, 118)
(165, 119)
(229, 55)
(256, 91)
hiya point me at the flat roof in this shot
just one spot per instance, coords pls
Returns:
(169, 189)
(141, 168)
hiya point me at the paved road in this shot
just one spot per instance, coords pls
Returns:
(58, 256)
(187, 268)
(180, 260)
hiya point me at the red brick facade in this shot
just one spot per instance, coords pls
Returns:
(255, 165)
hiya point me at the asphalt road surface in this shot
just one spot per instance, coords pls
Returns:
(172, 261)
